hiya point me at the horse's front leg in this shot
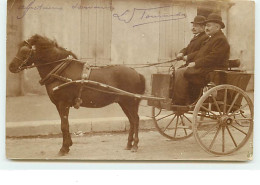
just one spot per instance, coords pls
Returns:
(63, 109)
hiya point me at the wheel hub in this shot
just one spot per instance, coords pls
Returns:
(225, 120)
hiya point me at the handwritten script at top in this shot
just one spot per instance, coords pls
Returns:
(36, 7)
(143, 16)
(135, 16)
(78, 6)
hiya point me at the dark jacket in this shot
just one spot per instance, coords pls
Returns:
(212, 55)
(194, 45)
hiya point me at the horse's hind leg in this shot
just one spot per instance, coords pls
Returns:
(131, 130)
(136, 130)
(63, 109)
(131, 110)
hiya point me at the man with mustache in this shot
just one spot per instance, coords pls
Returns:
(198, 26)
(213, 55)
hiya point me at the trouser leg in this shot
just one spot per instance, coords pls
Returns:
(180, 94)
(194, 92)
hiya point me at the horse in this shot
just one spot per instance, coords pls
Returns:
(47, 56)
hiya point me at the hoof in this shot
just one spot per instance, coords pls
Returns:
(63, 151)
(128, 147)
(134, 149)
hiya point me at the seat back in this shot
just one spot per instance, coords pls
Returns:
(236, 78)
(233, 63)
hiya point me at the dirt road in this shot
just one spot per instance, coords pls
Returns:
(107, 146)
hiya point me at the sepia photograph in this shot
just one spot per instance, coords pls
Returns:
(130, 80)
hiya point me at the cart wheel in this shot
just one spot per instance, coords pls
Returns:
(228, 123)
(173, 125)
(244, 115)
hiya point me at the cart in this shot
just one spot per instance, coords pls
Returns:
(221, 120)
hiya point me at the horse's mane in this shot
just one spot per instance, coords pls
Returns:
(46, 44)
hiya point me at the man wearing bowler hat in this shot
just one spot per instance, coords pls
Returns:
(213, 55)
(198, 26)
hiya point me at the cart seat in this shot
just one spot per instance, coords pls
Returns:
(233, 63)
(237, 77)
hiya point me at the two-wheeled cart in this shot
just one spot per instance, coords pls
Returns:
(221, 120)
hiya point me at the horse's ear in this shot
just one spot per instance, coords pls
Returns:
(34, 39)
(55, 43)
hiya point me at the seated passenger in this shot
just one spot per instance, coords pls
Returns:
(213, 55)
(198, 29)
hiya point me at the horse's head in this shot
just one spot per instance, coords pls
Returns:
(38, 51)
(23, 58)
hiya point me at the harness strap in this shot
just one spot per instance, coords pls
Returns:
(62, 78)
(85, 74)
(55, 71)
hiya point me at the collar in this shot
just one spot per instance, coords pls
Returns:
(201, 33)
(217, 33)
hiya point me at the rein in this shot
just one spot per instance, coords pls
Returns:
(155, 64)
(61, 60)
(39, 65)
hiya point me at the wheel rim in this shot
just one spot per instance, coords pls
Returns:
(172, 125)
(224, 129)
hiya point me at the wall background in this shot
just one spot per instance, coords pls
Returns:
(113, 32)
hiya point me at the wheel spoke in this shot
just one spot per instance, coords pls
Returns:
(169, 123)
(240, 109)
(225, 102)
(232, 104)
(183, 125)
(215, 101)
(206, 133)
(243, 119)
(223, 139)
(212, 142)
(164, 117)
(175, 131)
(231, 136)
(238, 129)
(187, 118)
(208, 110)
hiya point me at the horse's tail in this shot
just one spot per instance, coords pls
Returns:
(141, 88)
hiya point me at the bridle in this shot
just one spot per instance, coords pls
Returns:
(22, 67)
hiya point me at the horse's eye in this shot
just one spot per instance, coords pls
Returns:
(24, 50)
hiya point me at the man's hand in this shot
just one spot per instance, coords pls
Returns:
(185, 58)
(192, 64)
(179, 56)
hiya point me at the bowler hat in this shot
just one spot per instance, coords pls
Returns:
(215, 18)
(199, 19)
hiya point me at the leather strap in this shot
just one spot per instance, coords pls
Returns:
(84, 76)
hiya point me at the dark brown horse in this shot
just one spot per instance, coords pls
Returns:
(46, 55)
